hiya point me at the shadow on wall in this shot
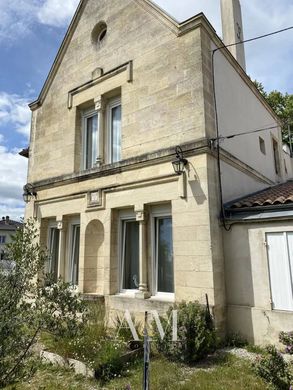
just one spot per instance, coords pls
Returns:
(94, 258)
(195, 186)
(239, 282)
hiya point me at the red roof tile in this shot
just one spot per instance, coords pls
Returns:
(279, 194)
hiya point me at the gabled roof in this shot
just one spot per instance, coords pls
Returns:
(178, 28)
(148, 5)
(281, 194)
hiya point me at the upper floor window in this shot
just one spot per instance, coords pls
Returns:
(90, 139)
(101, 134)
(114, 130)
(2, 239)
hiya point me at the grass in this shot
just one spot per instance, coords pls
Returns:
(220, 373)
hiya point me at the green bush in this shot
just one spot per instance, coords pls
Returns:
(273, 369)
(196, 333)
(94, 345)
(123, 332)
(286, 338)
(236, 340)
(29, 305)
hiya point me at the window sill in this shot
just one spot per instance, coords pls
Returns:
(163, 297)
(127, 294)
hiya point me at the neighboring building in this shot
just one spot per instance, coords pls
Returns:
(8, 228)
(129, 84)
(259, 264)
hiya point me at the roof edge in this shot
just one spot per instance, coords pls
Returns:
(178, 28)
(66, 40)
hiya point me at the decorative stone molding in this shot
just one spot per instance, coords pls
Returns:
(96, 199)
(127, 67)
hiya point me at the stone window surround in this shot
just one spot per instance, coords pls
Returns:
(147, 263)
(64, 224)
(102, 108)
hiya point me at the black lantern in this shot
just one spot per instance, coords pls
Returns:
(28, 193)
(180, 161)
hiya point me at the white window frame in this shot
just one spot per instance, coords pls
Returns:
(52, 225)
(124, 216)
(115, 102)
(158, 212)
(289, 258)
(85, 116)
(73, 222)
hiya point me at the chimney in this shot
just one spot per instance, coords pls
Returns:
(233, 29)
(7, 219)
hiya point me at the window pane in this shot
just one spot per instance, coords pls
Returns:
(130, 255)
(165, 255)
(281, 285)
(74, 266)
(116, 133)
(54, 253)
(91, 141)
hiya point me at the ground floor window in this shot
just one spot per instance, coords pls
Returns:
(130, 255)
(146, 243)
(74, 254)
(164, 255)
(280, 257)
(53, 253)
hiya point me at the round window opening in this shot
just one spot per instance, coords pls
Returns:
(99, 33)
(102, 34)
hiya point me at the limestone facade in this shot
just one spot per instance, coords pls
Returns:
(161, 72)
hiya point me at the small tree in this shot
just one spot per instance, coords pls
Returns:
(29, 304)
(282, 104)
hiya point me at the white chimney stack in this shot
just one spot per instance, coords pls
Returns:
(233, 28)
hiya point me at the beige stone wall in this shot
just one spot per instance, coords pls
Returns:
(162, 106)
(196, 245)
(247, 283)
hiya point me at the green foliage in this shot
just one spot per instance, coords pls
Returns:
(236, 340)
(286, 338)
(94, 345)
(27, 306)
(273, 369)
(282, 104)
(123, 332)
(196, 333)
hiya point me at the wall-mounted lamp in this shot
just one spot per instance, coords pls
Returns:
(28, 193)
(180, 161)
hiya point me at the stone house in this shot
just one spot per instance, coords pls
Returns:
(8, 228)
(129, 85)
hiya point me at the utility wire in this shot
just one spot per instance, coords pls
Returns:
(254, 39)
(223, 212)
(221, 137)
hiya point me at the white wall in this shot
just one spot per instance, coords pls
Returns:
(237, 184)
(248, 291)
(240, 110)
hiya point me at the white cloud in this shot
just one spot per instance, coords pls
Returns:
(19, 16)
(13, 170)
(57, 13)
(14, 110)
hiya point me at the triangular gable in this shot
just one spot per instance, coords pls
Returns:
(148, 5)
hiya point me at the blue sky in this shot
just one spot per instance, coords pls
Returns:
(32, 30)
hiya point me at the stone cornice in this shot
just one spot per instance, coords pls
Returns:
(145, 160)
